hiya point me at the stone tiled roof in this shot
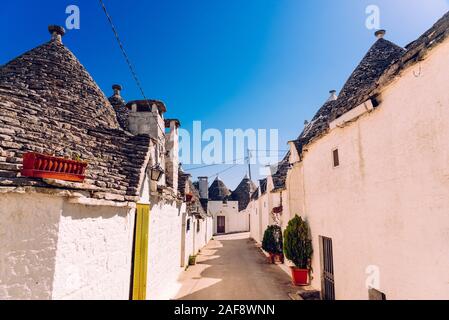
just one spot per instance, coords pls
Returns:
(50, 104)
(382, 64)
(255, 194)
(243, 193)
(363, 80)
(280, 176)
(218, 191)
(122, 113)
(263, 186)
(196, 206)
(183, 182)
(318, 126)
(357, 89)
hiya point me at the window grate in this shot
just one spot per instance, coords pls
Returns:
(327, 269)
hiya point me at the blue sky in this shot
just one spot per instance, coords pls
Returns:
(230, 64)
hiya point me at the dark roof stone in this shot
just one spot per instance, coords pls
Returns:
(50, 104)
(243, 193)
(218, 191)
(119, 105)
(363, 80)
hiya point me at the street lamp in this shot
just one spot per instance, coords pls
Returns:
(156, 173)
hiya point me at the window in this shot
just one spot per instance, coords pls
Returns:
(336, 158)
(188, 224)
(198, 226)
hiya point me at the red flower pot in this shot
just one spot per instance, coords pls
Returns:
(37, 165)
(300, 276)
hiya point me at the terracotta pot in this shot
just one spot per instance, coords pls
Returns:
(300, 276)
(189, 197)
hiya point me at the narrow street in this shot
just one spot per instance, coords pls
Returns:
(231, 267)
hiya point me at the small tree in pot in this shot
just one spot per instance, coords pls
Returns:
(298, 249)
(272, 243)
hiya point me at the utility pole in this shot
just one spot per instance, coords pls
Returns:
(249, 164)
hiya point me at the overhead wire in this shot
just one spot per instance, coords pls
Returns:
(127, 59)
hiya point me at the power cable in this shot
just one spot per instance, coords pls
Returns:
(216, 164)
(128, 61)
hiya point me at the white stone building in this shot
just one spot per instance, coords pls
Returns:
(227, 208)
(370, 175)
(115, 234)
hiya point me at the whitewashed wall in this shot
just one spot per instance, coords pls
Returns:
(386, 205)
(164, 250)
(55, 250)
(235, 221)
(255, 220)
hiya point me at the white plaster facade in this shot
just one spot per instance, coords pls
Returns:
(52, 249)
(164, 250)
(235, 221)
(385, 207)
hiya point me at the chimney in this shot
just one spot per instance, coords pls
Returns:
(118, 103)
(333, 96)
(117, 89)
(57, 32)
(147, 117)
(380, 34)
(172, 146)
(204, 187)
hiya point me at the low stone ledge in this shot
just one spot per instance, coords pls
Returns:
(70, 185)
(100, 202)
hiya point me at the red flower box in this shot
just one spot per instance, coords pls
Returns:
(278, 209)
(37, 165)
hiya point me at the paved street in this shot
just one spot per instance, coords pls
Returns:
(231, 267)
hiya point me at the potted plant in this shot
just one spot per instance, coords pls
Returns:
(298, 249)
(272, 243)
(192, 260)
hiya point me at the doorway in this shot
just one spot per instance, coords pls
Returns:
(140, 262)
(327, 269)
(221, 224)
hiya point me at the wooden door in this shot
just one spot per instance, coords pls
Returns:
(221, 224)
(141, 252)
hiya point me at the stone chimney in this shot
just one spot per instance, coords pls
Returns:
(147, 117)
(380, 34)
(333, 96)
(203, 183)
(172, 147)
(118, 103)
(57, 32)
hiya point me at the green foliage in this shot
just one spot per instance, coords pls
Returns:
(192, 260)
(297, 243)
(272, 240)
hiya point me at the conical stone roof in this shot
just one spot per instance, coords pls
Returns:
(218, 191)
(50, 104)
(243, 193)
